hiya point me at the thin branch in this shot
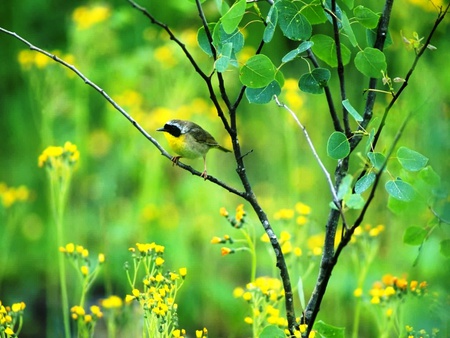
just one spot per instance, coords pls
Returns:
(340, 65)
(121, 110)
(316, 155)
(329, 97)
(440, 17)
(382, 32)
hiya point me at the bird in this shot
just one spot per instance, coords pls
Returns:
(189, 140)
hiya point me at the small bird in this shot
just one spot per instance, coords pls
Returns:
(189, 140)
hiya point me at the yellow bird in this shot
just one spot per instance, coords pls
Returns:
(189, 140)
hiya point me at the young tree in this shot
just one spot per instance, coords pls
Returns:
(332, 40)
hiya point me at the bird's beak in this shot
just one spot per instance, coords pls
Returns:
(161, 129)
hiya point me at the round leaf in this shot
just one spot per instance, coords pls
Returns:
(271, 21)
(272, 331)
(354, 201)
(364, 183)
(338, 146)
(411, 160)
(325, 49)
(233, 17)
(400, 190)
(371, 62)
(445, 248)
(366, 16)
(414, 235)
(292, 23)
(257, 72)
(377, 159)
(314, 82)
(263, 95)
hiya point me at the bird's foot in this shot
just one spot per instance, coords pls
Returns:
(204, 175)
(175, 160)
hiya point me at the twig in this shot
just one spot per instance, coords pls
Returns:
(121, 110)
(316, 155)
(329, 97)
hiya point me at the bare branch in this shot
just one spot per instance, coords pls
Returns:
(121, 110)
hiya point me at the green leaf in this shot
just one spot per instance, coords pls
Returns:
(377, 159)
(325, 49)
(400, 190)
(349, 3)
(314, 13)
(292, 23)
(263, 95)
(257, 72)
(272, 331)
(223, 60)
(271, 21)
(345, 186)
(354, 201)
(338, 146)
(371, 62)
(414, 235)
(444, 248)
(221, 38)
(352, 111)
(430, 177)
(369, 146)
(304, 46)
(411, 160)
(365, 182)
(329, 331)
(314, 82)
(366, 17)
(348, 30)
(233, 17)
(202, 39)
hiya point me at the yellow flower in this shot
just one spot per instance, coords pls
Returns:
(298, 251)
(284, 214)
(129, 298)
(302, 208)
(84, 270)
(240, 213)
(183, 272)
(101, 258)
(136, 292)
(9, 331)
(265, 238)
(70, 247)
(17, 307)
(285, 236)
(248, 320)
(358, 292)
(226, 251)
(216, 240)
(112, 302)
(85, 17)
(159, 261)
(238, 292)
(223, 212)
(389, 312)
(286, 247)
(247, 296)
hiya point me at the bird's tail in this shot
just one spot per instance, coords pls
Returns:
(223, 149)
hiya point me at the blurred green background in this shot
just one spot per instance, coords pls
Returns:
(124, 191)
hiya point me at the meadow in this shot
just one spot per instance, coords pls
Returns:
(90, 207)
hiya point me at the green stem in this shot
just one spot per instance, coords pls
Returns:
(58, 192)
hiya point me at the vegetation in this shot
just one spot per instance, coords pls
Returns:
(337, 114)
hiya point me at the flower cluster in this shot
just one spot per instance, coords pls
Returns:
(238, 220)
(55, 157)
(12, 195)
(85, 17)
(79, 256)
(392, 288)
(11, 319)
(263, 295)
(411, 333)
(157, 298)
(86, 321)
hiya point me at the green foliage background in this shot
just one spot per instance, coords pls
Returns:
(125, 192)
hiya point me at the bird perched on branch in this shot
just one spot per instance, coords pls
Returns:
(189, 140)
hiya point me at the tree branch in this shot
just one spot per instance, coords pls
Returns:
(122, 111)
